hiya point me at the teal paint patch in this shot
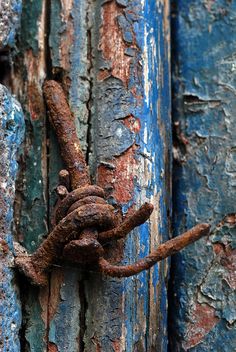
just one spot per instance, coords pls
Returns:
(64, 325)
(9, 22)
(57, 29)
(31, 12)
(11, 137)
(204, 174)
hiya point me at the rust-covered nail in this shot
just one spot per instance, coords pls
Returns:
(63, 123)
(139, 217)
(163, 251)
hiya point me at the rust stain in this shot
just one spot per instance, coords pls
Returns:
(57, 279)
(36, 105)
(203, 321)
(228, 261)
(132, 123)
(4, 247)
(113, 45)
(67, 36)
(52, 347)
(120, 179)
(116, 346)
(43, 300)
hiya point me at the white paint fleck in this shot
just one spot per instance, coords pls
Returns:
(146, 66)
(119, 132)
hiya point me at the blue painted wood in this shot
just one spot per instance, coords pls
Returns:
(203, 304)
(131, 159)
(10, 12)
(11, 137)
(123, 120)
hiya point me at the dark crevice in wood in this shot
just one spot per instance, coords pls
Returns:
(23, 288)
(5, 68)
(89, 102)
(48, 65)
(83, 310)
(48, 58)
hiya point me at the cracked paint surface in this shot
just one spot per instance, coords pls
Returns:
(10, 12)
(11, 137)
(203, 276)
(131, 137)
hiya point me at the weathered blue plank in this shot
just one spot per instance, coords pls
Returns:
(69, 49)
(10, 12)
(113, 91)
(203, 304)
(11, 136)
(131, 158)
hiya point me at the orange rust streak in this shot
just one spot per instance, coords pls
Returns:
(204, 320)
(36, 105)
(112, 43)
(52, 347)
(57, 279)
(116, 346)
(132, 123)
(121, 178)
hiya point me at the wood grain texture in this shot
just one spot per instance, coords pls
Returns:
(11, 136)
(203, 302)
(28, 74)
(131, 160)
(126, 136)
(112, 59)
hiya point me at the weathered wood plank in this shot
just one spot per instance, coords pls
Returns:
(203, 302)
(11, 136)
(27, 78)
(131, 159)
(69, 52)
(123, 92)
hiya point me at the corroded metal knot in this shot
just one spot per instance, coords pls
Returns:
(83, 219)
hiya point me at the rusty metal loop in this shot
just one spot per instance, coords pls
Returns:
(74, 196)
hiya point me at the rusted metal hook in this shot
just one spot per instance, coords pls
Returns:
(84, 220)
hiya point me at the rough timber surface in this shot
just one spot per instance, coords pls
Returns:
(203, 303)
(11, 136)
(112, 58)
(106, 54)
(28, 74)
(130, 158)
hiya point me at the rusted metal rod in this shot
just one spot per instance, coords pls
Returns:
(63, 122)
(163, 251)
(139, 217)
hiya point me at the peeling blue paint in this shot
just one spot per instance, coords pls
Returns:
(204, 181)
(11, 136)
(151, 105)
